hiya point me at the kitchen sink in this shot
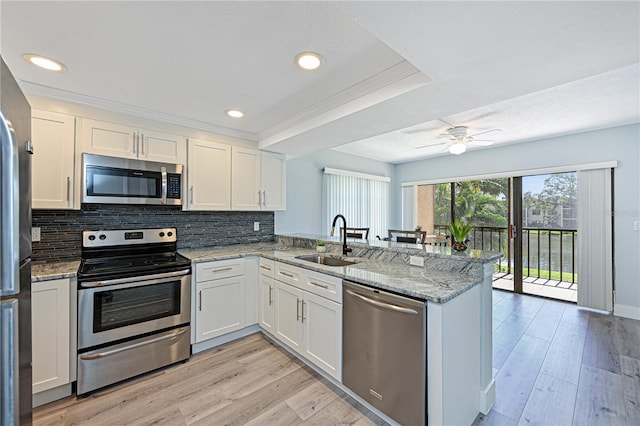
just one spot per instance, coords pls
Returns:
(325, 260)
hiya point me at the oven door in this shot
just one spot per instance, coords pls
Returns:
(119, 309)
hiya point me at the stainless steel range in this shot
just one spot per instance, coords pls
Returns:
(134, 303)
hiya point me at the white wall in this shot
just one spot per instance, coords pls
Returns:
(304, 189)
(618, 143)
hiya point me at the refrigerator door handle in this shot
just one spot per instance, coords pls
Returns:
(10, 412)
(10, 212)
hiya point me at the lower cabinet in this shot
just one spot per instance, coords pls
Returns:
(310, 325)
(50, 328)
(267, 302)
(219, 298)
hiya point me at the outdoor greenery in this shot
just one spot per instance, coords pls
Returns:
(545, 274)
(554, 206)
(483, 202)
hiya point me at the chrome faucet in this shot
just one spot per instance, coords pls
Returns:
(345, 248)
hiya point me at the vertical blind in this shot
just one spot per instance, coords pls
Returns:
(362, 199)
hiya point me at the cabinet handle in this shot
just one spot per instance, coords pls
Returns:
(135, 136)
(297, 309)
(142, 142)
(286, 275)
(326, 287)
(264, 198)
(270, 298)
(222, 269)
(68, 191)
(191, 195)
(302, 310)
(259, 198)
(200, 300)
(265, 267)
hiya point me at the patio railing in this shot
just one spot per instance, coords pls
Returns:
(547, 253)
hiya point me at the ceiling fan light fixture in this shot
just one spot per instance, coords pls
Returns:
(44, 62)
(457, 148)
(309, 61)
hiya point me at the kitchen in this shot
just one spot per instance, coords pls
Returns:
(150, 117)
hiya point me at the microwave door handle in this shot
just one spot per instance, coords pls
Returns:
(163, 170)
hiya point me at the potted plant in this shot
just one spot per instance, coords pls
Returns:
(459, 231)
(320, 247)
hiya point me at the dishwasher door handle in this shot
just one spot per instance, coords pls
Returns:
(383, 305)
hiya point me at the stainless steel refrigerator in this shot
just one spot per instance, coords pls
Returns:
(15, 252)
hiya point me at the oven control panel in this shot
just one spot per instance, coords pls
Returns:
(127, 236)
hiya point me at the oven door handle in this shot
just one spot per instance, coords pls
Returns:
(134, 346)
(142, 280)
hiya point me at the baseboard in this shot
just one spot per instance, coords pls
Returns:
(221, 340)
(627, 311)
(45, 397)
(488, 397)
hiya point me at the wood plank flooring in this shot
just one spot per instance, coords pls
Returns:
(250, 381)
(554, 364)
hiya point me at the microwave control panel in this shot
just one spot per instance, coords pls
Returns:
(173, 186)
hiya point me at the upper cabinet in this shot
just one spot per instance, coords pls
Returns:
(53, 136)
(258, 180)
(117, 140)
(208, 176)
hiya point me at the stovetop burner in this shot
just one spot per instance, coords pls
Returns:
(126, 253)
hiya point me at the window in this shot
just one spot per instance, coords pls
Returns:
(362, 199)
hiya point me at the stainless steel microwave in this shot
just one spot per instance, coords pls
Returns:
(123, 181)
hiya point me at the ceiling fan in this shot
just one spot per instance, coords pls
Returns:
(459, 139)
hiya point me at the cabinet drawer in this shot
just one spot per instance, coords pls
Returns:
(219, 269)
(267, 267)
(290, 274)
(323, 285)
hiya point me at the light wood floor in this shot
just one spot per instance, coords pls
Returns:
(250, 381)
(554, 364)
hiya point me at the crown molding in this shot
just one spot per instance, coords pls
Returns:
(43, 91)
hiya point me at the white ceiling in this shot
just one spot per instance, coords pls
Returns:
(533, 69)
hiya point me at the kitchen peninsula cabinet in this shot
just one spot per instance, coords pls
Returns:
(208, 176)
(53, 136)
(118, 140)
(51, 328)
(309, 321)
(258, 180)
(267, 294)
(219, 302)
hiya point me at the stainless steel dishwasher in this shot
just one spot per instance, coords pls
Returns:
(384, 351)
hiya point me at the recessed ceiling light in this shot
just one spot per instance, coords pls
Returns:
(309, 60)
(234, 113)
(46, 63)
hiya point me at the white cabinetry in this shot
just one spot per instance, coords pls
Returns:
(308, 316)
(220, 298)
(208, 176)
(53, 136)
(267, 294)
(258, 180)
(117, 140)
(50, 325)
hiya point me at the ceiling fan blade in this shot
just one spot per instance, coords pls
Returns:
(480, 142)
(447, 123)
(486, 131)
(431, 145)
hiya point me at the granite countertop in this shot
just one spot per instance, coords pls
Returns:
(419, 282)
(54, 271)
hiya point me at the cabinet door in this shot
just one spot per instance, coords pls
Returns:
(209, 171)
(162, 147)
(53, 136)
(245, 179)
(267, 303)
(220, 307)
(50, 334)
(274, 181)
(322, 323)
(112, 139)
(288, 315)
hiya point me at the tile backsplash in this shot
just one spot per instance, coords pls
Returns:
(61, 230)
